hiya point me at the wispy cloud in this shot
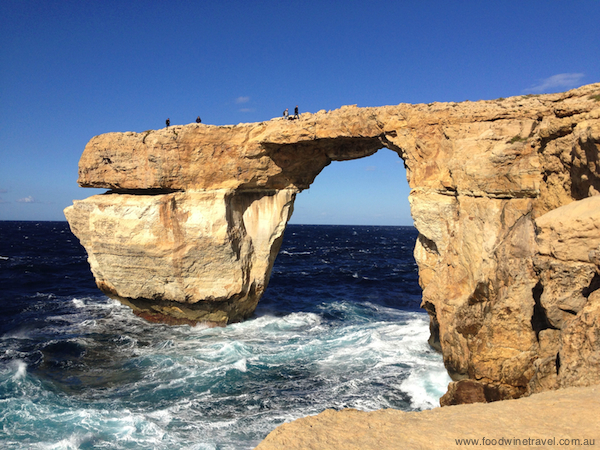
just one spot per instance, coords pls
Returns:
(561, 81)
(29, 199)
(245, 110)
(242, 100)
(3, 191)
(371, 168)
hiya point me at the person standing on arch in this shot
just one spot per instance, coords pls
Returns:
(198, 120)
(296, 116)
(168, 122)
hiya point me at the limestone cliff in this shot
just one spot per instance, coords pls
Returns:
(503, 196)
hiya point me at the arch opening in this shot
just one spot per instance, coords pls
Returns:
(346, 277)
(351, 238)
(370, 190)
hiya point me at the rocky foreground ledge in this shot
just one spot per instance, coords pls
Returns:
(568, 418)
(504, 194)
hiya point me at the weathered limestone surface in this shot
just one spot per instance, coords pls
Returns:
(503, 195)
(567, 293)
(545, 420)
(161, 254)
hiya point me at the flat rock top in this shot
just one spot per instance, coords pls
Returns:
(280, 154)
(545, 420)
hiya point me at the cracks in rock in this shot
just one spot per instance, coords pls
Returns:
(539, 318)
(434, 327)
(470, 316)
(146, 133)
(562, 113)
(451, 191)
(481, 293)
(428, 244)
(525, 217)
(385, 142)
(568, 311)
(585, 168)
(551, 164)
(557, 134)
(593, 286)
(235, 227)
(489, 195)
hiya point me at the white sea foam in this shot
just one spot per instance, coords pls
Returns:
(162, 417)
(286, 252)
(222, 385)
(73, 442)
(240, 365)
(20, 370)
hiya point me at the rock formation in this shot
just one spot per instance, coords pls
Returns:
(503, 196)
(569, 418)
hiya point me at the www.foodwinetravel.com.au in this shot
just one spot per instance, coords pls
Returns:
(526, 441)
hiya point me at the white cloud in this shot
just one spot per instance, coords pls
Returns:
(561, 81)
(29, 199)
(242, 100)
(371, 168)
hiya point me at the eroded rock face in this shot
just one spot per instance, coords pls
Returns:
(195, 215)
(567, 299)
(184, 257)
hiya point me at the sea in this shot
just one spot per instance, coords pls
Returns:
(339, 326)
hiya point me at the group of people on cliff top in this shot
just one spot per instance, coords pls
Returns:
(286, 114)
(168, 121)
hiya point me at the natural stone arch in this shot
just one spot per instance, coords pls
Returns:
(195, 216)
(238, 229)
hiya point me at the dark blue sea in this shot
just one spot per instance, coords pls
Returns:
(339, 326)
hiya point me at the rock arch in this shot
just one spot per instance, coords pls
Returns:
(195, 216)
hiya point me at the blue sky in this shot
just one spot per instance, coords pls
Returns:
(70, 70)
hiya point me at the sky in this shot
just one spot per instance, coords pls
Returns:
(70, 70)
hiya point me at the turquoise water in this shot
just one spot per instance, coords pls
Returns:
(83, 372)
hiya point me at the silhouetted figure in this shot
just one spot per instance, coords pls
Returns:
(168, 122)
(296, 116)
(198, 120)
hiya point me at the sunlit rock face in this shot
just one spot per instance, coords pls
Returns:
(184, 257)
(508, 259)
